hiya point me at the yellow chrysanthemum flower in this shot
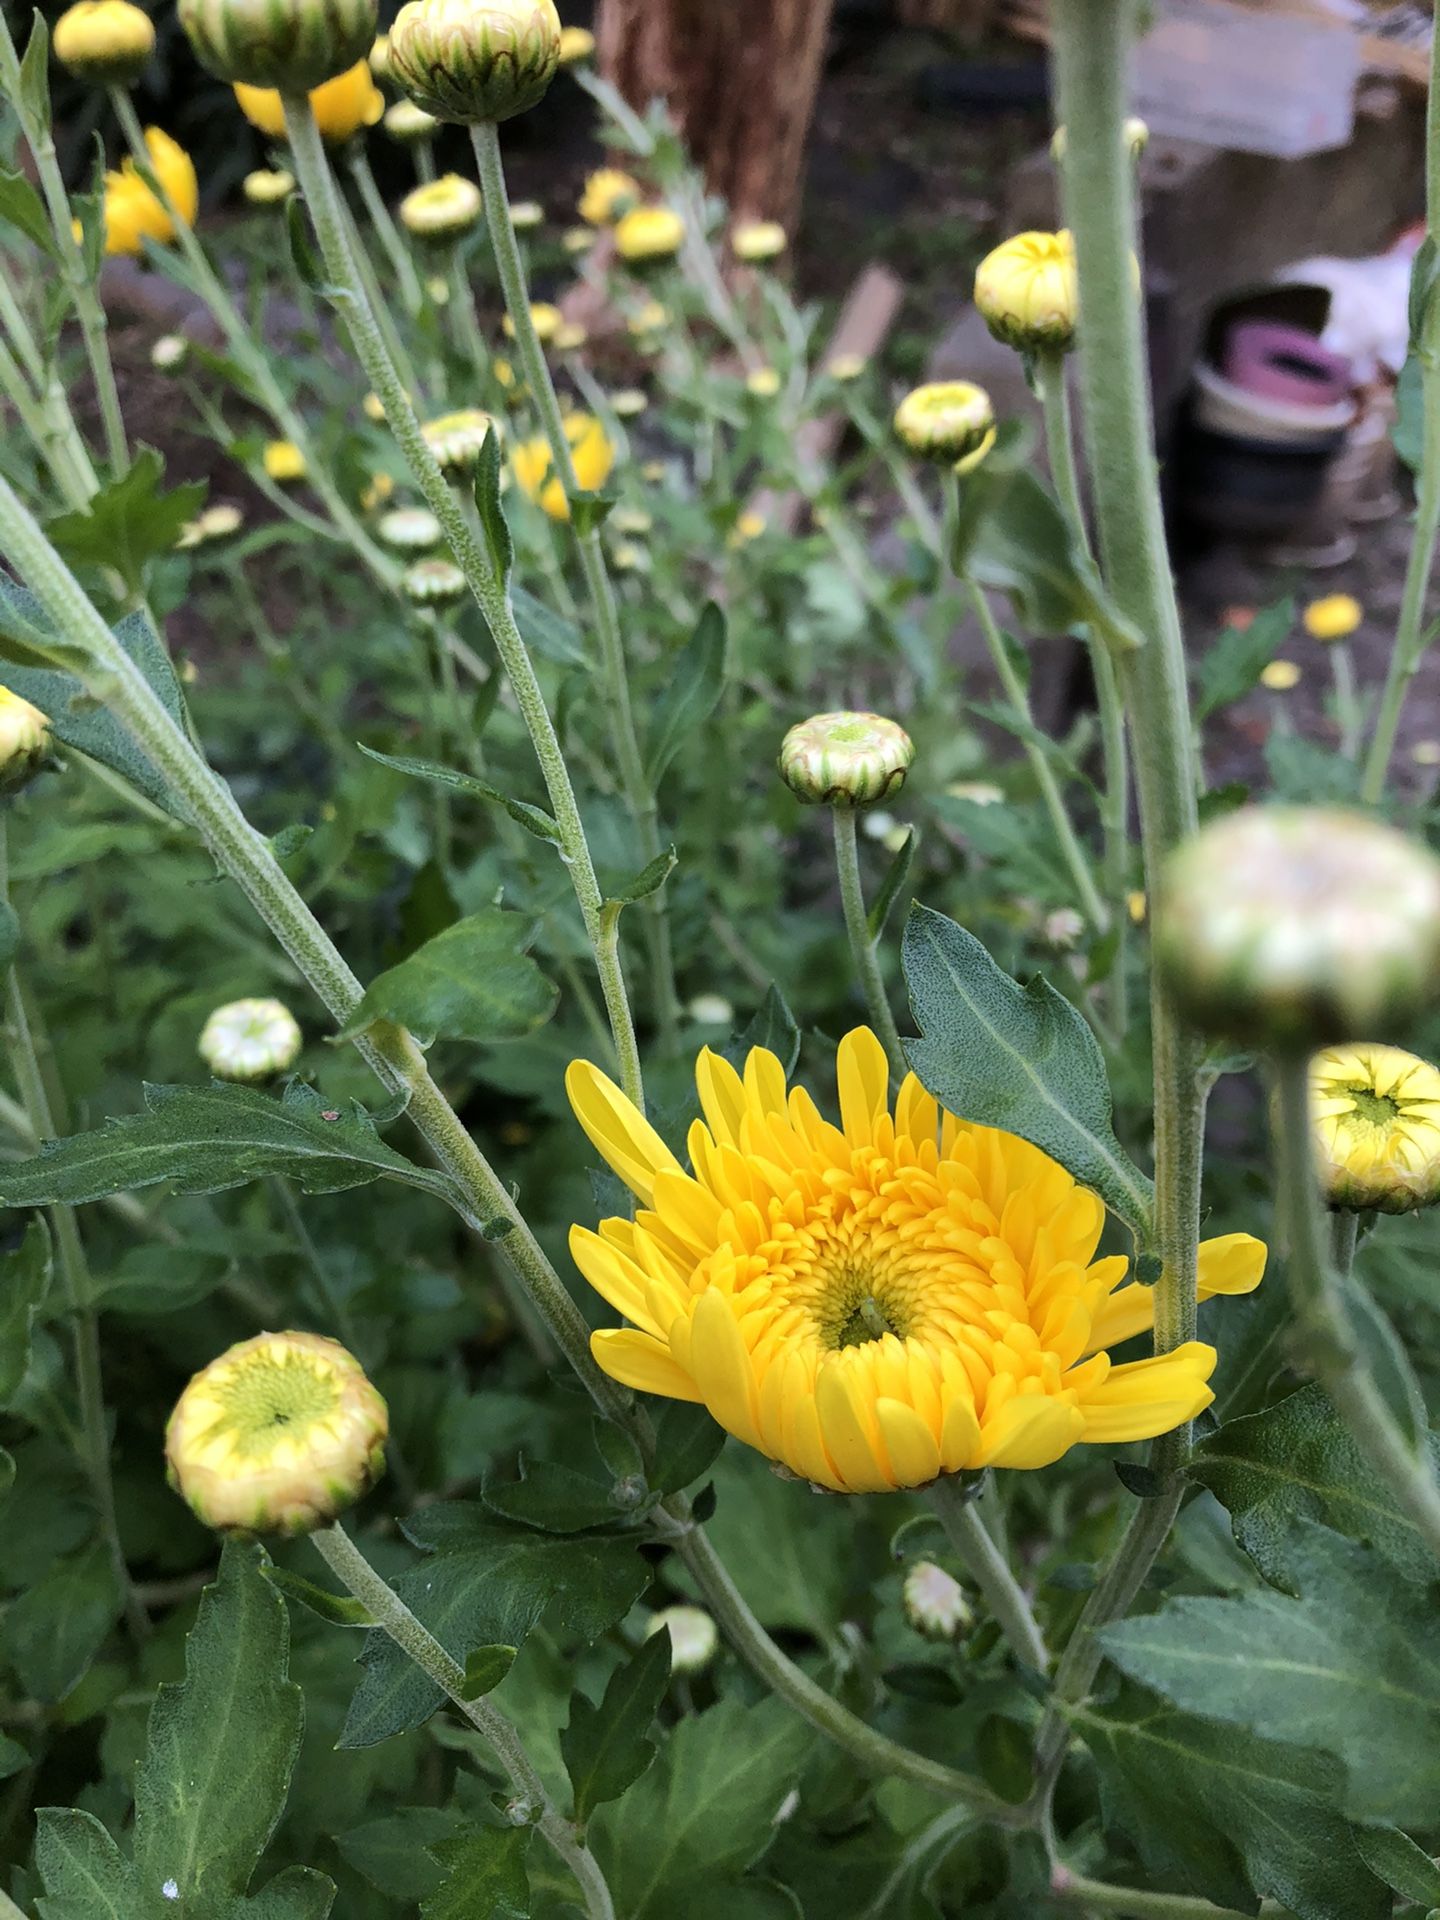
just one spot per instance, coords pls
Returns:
(105, 41)
(544, 318)
(608, 193)
(441, 209)
(342, 106)
(1376, 1115)
(132, 213)
(456, 438)
(1335, 617)
(576, 45)
(284, 463)
(878, 1303)
(1280, 676)
(24, 739)
(647, 235)
(590, 449)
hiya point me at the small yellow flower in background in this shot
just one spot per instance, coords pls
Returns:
(1426, 753)
(1027, 293)
(647, 234)
(380, 488)
(1280, 675)
(627, 557)
(650, 320)
(456, 438)
(949, 420)
(406, 123)
(526, 215)
(214, 524)
(629, 403)
(373, 407)
(1376, 1119)
(472, 63)
(284, 463)
(279, 1435)
(1335, 617)
(267, 186)
(1137, 906)
(438, 288)
(749, 526)
(846, 367)
(546, 320)
(694, 1637)
(504, 373)
(570, 336)
(608, 194)
(104, 41)
(845, 759)
(576, 44)
(578, 240)
(763, 383)
(250, 1040)
(590, 449)
(876, 1304)
(711, 1010)
(342, 106)
(979, 793)
(754, 241)
(24, 740)
(935, 1603)
(133, 214)
(632, 521)
(441, 209)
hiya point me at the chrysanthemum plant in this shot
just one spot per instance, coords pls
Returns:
(867, 1517)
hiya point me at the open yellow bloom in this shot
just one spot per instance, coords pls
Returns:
(608, 193)
(534, 470)
(1376, 1119)
(132, 213)
(648, 234)
(1335, 617)
(442, 209)
(878, 1303)
(342, 106)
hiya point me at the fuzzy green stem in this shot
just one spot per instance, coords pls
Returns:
(1344, 1238)
(1136, 1903)
(396, 252)
(38, 397)
(614, 682)
(956, 1506)
(394, 1618)
(491, 593)
(1325, 1336)
(862, 946)
(364, 268)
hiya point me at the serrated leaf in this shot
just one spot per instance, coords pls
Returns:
(485, 1668)
(649, 880)
(1297, 1461)
(533, 819)
(475, 981)
(1019, 1058)
(485, 1877)
(552, 1498)
(207, 1139)
(340, 1609)
(493, 525)
(24, 1280)
(895, 878)
(129, 521)
(54, 1629)
(608, 1747)
(78, 720)
(22, 208)
(1232, 665)
(1393, 1857)
(688, 1441)
(84, 1875)
(772, 1026)
(691, 692)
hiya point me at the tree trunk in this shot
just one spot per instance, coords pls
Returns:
(740, 78)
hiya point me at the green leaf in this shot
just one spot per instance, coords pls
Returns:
(299, 1893)
(35, 76)
(1352, 1665)
(772, 1026)
(1394, 1858)
(1409, 433)
(1297, 1461)
(485, 1668)
(78, 720)
(688, 1441)
(340, 1609)
(1019, 1058)
(649, 880)
(534, 819)
(1231, 668)
(493, 525)
(1383, 1353)
(9, 932)
(128, 522)
(485, 1584)
(485, 1877)
(22, 208)
(56, 1627)
(30, 636)
(1218, 1812)
(207, 1139)
(552, 1498)
(608, 1747)
(393, 1851)
(591, 510)
(24, 1281)
(84, 1874)
(474, 981)
(547, 632)
(894, 880)
(1024, 549)
(691, 692)
(790, 1549)
(305, 256)
(705, 1811)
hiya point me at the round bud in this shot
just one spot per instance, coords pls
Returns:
(629, 403)
(1063, 928)
(846, 367)
(1300, 926)
(475, 60)
(1280, 676)
(206, 529)
(284, 463)
(647, 235)
(279, 1435)
(763, 383)
(711, 1010)
(104, 41)
(456, 438)
(526, 215)
(935, 1603)
(442, 209)
(169, 352)
(1335, 617)
(755, 241)
(1375, 1113)
(608, 194)
(24, 741)
(577, 44)
(250, 1040)
(846, 759)
(949, 420)
(268, 186)
(433, 583)
(408, 124)
(694, 1638)
(410, 530)
(1027, 293)
(294, 44)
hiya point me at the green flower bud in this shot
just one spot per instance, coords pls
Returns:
(935, 1603)
(24, 741)
(290, 44)
(949, 420)
(408, 124)
(475, 60)
(846, 759)
(456, 438)
(250, 1040)
(433, 583)
(410, 530)
(694, 1637)
(1300, 927)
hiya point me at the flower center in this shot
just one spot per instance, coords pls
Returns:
(857, 1306)
(265, 1400)
(1374, 1109)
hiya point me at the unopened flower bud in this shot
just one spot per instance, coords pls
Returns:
(475, 60)
(647, 235)
(268, 186)
(694, 1638)
(1334, 617)
(755, 241)
(1064, 928)
(433, 583)
(442, 209)
(628, 404)
(846, 367)
(279, 1435)
(1375, 1114)
(214, 524)
(283, 462)
(293, 44)
(409, 530)
(1300, 926)
(935, 1603)
(526, 215)
(106, 42)
(250, 1040)
(407, 124)
(1027, 292)
(169, 352)
(24, 741)
(949, 420)
(763, 383)
(378, 58)
(711, 1010)
(846, 759)
(634, 522)
(456, 438)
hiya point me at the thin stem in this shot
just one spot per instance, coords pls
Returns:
(491, 593)
(957, 1508)
(862, 946)
(1344, 1237)
(1135, 1903)
(45, 413)
(1325, 1335)
(396, 252)
(393, 1617)
(1349, 708)
(614, 682)
(379, 306)
(1077, 860)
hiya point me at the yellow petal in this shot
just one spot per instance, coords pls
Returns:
(764, 1081)
(864, 1078)
(614, 1276)
(721, 1365)
(1031, 1430)
(1147, 1397)
(960, 1435)
(638, 1361)
(917, 1115)
(619, 1134)
(914, 1455)
(1128, 1311)
(1233, 1263)
(844, 1431)
(722, 1097)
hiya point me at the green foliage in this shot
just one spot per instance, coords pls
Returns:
(607, 1747)
(474, 981)
(129, 523)
(1232, 666)
(691, 694)
(24, 1280)
(485, 1877)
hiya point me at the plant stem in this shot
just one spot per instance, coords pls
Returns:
(614, 684)
(956, 1506)
(1135, 1903)
(491, 593)
(862, 946)
(1344, 1237)
(1324, 1333)
(396, 252)
(393, 1617)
